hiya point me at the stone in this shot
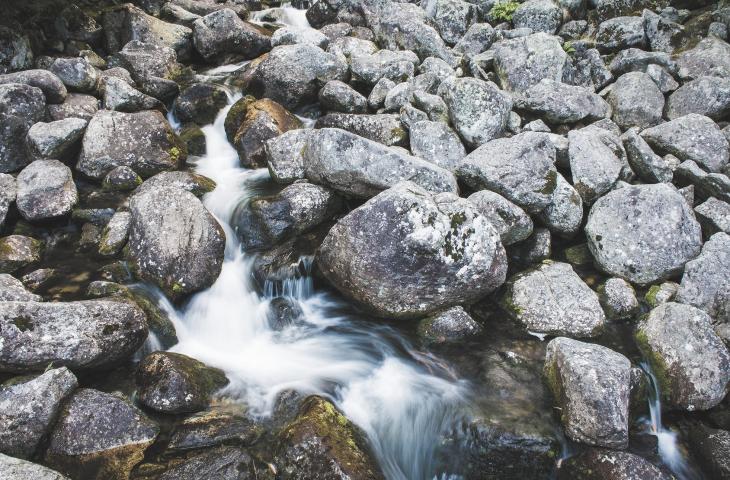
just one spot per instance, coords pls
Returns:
(20, 107)
(17, 469)
(120, 96)
(710, 57)
(660, 294)
(99, 435)
(77, 74)
(714, 216)
(215, 426)
(57, 139)
(200, 103)
(662, 34)
(437, 143)
(28, 410)
(636, 101)
(648, 165)
(688, 359)
(223, 32)
(18, 251)
(564, 213)
(711, 447)
(523, 62)
(52, 87)
(121, 179)
(222, 462)
(510, 221)
(643, 233)
(618, 299)
(115, 234)
(383, 128)
(396, 66)
(559, 103)
(594, 165)
(291, 35)
(174, 383)
(12, 290)
(637, 60)
(8, 190)
(194, 183)
(620, 33)
(264, 119)
(590, 384)
(285, 157)
(705, 184)
(76, 105)
(604, 464)
(662, 78)
(452, 18)
(459, 255)
(539, 16)
(450, 325)
(46, 190)
(338, 96)
(552, 299)
(477, 39)
(148, 61)
(708, 96)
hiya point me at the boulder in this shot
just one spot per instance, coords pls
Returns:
(636, 101)
(121, 179)
(338, 96)
(196, 184)
(450, 325)
(396, 66)
(710, 57)
(46, 190)
(620, 33)
(523, 62)
(708, 96)
(29, 408)
(77, 74)
(120, 96)
(76, 105)
(594, 166)
(649, 166)
(711, 446)
(435, 142)
(80, 335)
(224, 33)
(99, 435)
(383, 128)
(20, 107)
(52, 87)
(18, 251)
(477, 39)
(564, 213)
(559, 103)
(55, 140)
(643, 233)
(452, 18)
(591, 386)
(115, 234)
(17, 469)
(407, 253)
(174, 242)
(264, 119)
(618, 299)
(539, 16)
(291, 35)
(604, 464)
(510, 221)
(552, 299)
(285, 155)
(714, 216)
(200, 103)
(231, 463)
(215, 426)
(12, 290)
(8, 190)
(688, 359)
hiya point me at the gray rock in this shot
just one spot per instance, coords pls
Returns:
(643, 233)
(711, 57)
(285, 155)
(383, 128)
(174, 242)
(706, 279)
(660, 294)
(447, 326)
(662, 34)
(689, 360)
(648, 165)
(620, 33)
(636, 101)
(143, 141)
(80, 335)
(176, 14)
(77, 74)
(17, 469)
(606, 9)
(340, 97)
(77, 105)
(351, 47)
(12, 290)
(29, 409)
(396, 66)
(99, 435)
(149, 63)
(223, 32)
(595, 167)
(714, 216)
(121, 179)
(222, 462)
(57, 139)
(533, 250)
(559, 103)
(662, 78)
(46, 190)
(552, 299)
(20, 107)
(290, 35)
(433, 105)
(479, 111)
(618, 299)
(522, 62)
(18, 251)
(692, 137)
(52, 87)
(357, 167)
(706, 184)
(427, 252)
(8, 190)
(200, 103)
(591, 385)
(477, 39)
(120, 96)
(510, 221)
(711, 447)
(520, 168)
(539, 16)
(609, 464)
(115, 234)
(196, 184)
(637, 60)
(436, 143)
(708, 96)
(215, 426)
(452, 18)
(564, 213)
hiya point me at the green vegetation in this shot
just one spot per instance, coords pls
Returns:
(503, 11)
(569, 48)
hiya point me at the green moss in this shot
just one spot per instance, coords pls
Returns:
(569, 48)
(503, 11)
(656, 362)
(508, 305)
(651, 295)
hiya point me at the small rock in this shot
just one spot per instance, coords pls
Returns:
(340, 97)
(121, 179)
(200, 103)
(46, 190)
(77, 74)
(618, 299)
(12, 290)
(447, 326)
(510, 221)
(115, 234)
(17, 251)
(636, 101)
(57, 139)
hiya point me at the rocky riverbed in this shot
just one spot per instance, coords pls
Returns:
(365, 239)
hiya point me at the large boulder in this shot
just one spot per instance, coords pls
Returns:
(143, 141)
(224, 33)
(407, 253)
(591, 386)
(605, 464)
(643, 233)
(17, 469)
(200, 103)
(711, 446)
(690, 362)
(522, 62)
(28, 410)
(51, 86)
(708, 96)
(56, 140)
(120, 96)
(620, 33)
(80, 335)
(552, 299)
(99, 435)
(636, 101)
(76, 105)
(20, 107)
(648, 165)
(174, 242)
(557, 102)
(46, 190)
(264, 119)
(520, 168)
(594, 165)
(357, 167)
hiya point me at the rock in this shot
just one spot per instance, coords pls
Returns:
(447, 326)
(196, 184)
(708, 96)
(77, 105)
(52, 87)
(55, 140)
(143, 141)
(322, 443)
(539, 16)
(267, 221)
(636, 60)
(711, 447)
(285, 157)
(383, 128)
(437, 143)
(223, 32)
(28, 410)
(227, 424)
(659, 294)
(115, 234)
(520, 168)
(643, 233)
(559, 103)
(594, 165)
(206, 7)
(12, 290)
(690, 362)
(714, 216)
(648, 165)
(357, 167)
(120, 96)
(618, 299)
(351, 47)
(265, 119)
(99, 435)
(564, 213)
(148, 63)
(121, 179)
(710, 57)
(200, 103)
(662, 78)
(706, 279)
(705, 184)
(396, 66)
(8, 190)
(691, 137)
(80, 335)
(77, 74)
(174, 383)
(662, 35)
(223, 462)
(46, 190)
(340, 97)
(20, 107)
(176, 14)
(161, 219)
(591, 386)
(533, 250)
(620, 33)
(293, 74)
(603, 464)
(290, 35)
(636, 101)
(552, 299)
(460, 258)
(510, 221)
(17, 469)
(452, 18)
(477, 39)
(523, 62)
(17, 251)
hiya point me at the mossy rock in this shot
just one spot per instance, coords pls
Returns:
(236, 115)
(194, 139)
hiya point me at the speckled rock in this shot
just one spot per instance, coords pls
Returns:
(17, 469)
(46, 190)
(604, 464)
(290, 35)
(120, 96)
(338, 96)
(711, 446)
(710, 57)
(564, 213)
(620, 33)
(52, 87)
(264, 119)
(708, 96)
(194, 183)
(77, 105)
(591, 385)
(447, 326)
(18, 251)
(618, 299)
(8, 190)
(115, 234)
(539, 16)
(522, 62)
(427, 252)
(121, 179)
(689, 360)
(557, 102)
(477, 39)
(660, 294)
(396, 66)
(20, 107)
(510, 221)
(12, 290)
(714, 216)
(231, 463)
(636, 101)
(648, 165)
(285, 157)
(452, 18)
(223, 32)
(77, 74)
(383, 128)
(200, 103)
(437, 143)
(56, 139)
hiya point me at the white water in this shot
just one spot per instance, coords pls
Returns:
(402, 399)
(284, 15)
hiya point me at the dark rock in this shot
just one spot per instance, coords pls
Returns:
(46, 190)
(76, 105)
(604, 464)
(223, 32)
(51, 86)
(20, 107)
(17, 251)
(447, 326)
(230, 463)
(56, 140)
(200, 103)
(265, 119)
